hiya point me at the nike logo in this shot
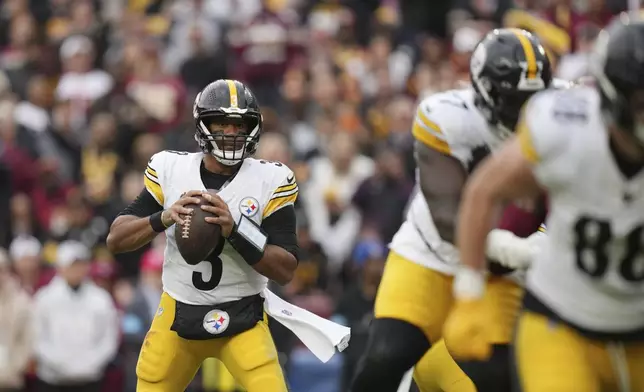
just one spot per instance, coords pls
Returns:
(290, 178)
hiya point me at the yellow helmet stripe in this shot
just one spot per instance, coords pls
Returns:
(528, 52)
(232, 89)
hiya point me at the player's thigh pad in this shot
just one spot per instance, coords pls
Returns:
(251, 357)
(551, 357)
(437, 372)
(503, 298)
(166, 362)
(415, 294)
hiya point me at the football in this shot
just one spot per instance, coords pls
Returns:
(196, 238)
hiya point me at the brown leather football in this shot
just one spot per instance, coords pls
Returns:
(196, 238)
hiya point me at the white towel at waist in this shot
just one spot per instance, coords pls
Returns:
(320, 335)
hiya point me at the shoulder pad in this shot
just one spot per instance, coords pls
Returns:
(282, 185)
(541, 131)
(154, 174)
(444, 122)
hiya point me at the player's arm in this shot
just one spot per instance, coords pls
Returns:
(505, 176)
(271, 248)
(145, 217)
(280, 256)
(515, 172)
(132, 227)
(441, 175)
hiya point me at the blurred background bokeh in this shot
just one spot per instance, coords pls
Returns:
(89, 90)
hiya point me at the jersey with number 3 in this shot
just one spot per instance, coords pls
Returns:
(259, 189)
(591, 270)
(449, 123)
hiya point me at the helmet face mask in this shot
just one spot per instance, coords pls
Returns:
(228, 121)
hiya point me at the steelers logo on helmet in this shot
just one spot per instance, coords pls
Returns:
(228, 121)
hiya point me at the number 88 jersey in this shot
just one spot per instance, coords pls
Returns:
(591, 270)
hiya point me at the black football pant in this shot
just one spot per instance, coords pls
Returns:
(81, 387)
(394, 346)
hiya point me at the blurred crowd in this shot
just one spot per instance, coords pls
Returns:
(89, 90)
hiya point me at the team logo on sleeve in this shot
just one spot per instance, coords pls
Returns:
(216, 321)
(248, 206)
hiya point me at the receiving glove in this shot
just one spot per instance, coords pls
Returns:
(467, 329)
(511, 251)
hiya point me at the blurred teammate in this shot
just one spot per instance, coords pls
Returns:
(583, 324)
(454, 131)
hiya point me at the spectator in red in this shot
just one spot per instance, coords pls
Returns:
(263, 48)
(49, 198)
(161, 96)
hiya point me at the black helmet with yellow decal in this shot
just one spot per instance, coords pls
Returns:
(618, 66)
(507, 67)
(220, 104)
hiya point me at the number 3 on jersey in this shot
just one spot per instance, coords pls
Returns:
(592, 245)
(216, 269)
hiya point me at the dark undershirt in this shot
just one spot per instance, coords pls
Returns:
(280, 226)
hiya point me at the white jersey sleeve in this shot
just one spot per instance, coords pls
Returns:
(446, 123)
(283, 192)
(154, 176)
(544, 140)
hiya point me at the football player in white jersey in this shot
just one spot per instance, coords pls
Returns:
(214, 308)
(582, 328)
(454, 131)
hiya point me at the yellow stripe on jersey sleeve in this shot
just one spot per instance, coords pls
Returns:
(152, 172)
(429, 133)
(278, 202)
(526, 143)
(153, 186)
(285, 188)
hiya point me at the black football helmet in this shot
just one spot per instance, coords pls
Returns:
(227, 102)
(506, 68)
(618, 68)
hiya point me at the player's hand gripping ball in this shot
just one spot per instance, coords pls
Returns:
(219, 213)
(195, 237)
(466, 331)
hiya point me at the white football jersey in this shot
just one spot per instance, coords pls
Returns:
(258, 190)
(591, 269)
(448, 122)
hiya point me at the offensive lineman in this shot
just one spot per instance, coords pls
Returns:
(582, 328)
(213, 309)
(454, 131)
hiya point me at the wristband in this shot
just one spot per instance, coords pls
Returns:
(157, 223)
(469, 284)
(249, 240)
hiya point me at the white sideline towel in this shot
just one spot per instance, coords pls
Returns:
(320, 335)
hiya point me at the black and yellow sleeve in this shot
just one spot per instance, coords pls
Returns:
(283, 196)
(153, 185)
